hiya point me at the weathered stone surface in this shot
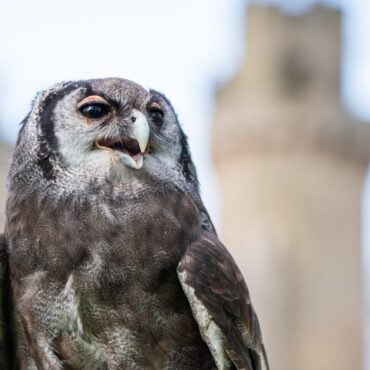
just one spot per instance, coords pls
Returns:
(291, 164)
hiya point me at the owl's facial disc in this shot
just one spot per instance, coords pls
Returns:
(129, 149)
(117, 125)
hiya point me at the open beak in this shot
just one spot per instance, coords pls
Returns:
(130, 149)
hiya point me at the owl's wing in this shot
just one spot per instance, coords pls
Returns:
(220, 303)
(4, 322)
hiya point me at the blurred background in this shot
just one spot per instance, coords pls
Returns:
(274, 96)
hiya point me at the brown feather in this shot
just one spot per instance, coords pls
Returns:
(219, 285)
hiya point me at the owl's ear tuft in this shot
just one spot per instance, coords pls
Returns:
(22, 124)
(186, 163)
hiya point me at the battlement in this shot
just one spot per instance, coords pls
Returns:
(286, 95)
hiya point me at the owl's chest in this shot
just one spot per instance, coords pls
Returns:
(105, 279)
(83, 234)
(146, 234)
(133, 245)
(125, 298)
(136, 249)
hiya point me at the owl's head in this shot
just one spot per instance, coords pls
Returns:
(105, 126)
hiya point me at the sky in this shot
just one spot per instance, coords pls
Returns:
(182, 48)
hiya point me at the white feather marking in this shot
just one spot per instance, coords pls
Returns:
(74, 323)
(72, 302)
(104, 208)
(210, 331)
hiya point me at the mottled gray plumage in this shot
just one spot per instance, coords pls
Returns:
(113, 260)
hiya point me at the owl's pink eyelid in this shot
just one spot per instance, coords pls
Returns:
(154, 105)
(92, 99)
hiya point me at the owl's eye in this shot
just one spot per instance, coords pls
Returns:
(94, 110)
(94, 107)
(156, 116)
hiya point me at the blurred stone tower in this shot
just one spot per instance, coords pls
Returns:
(291, 164)
(5, 153)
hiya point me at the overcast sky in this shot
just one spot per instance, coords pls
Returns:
(179, 47)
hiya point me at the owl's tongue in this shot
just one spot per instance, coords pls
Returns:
(129, 146)
(126, 145)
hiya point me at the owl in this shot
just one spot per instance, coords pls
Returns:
(109, 259)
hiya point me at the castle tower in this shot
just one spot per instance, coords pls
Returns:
(291, 164)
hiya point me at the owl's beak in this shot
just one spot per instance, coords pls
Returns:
(140, 130)
(129, 149)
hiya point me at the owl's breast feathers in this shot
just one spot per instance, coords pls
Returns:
(100, 278)
(103, 278)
